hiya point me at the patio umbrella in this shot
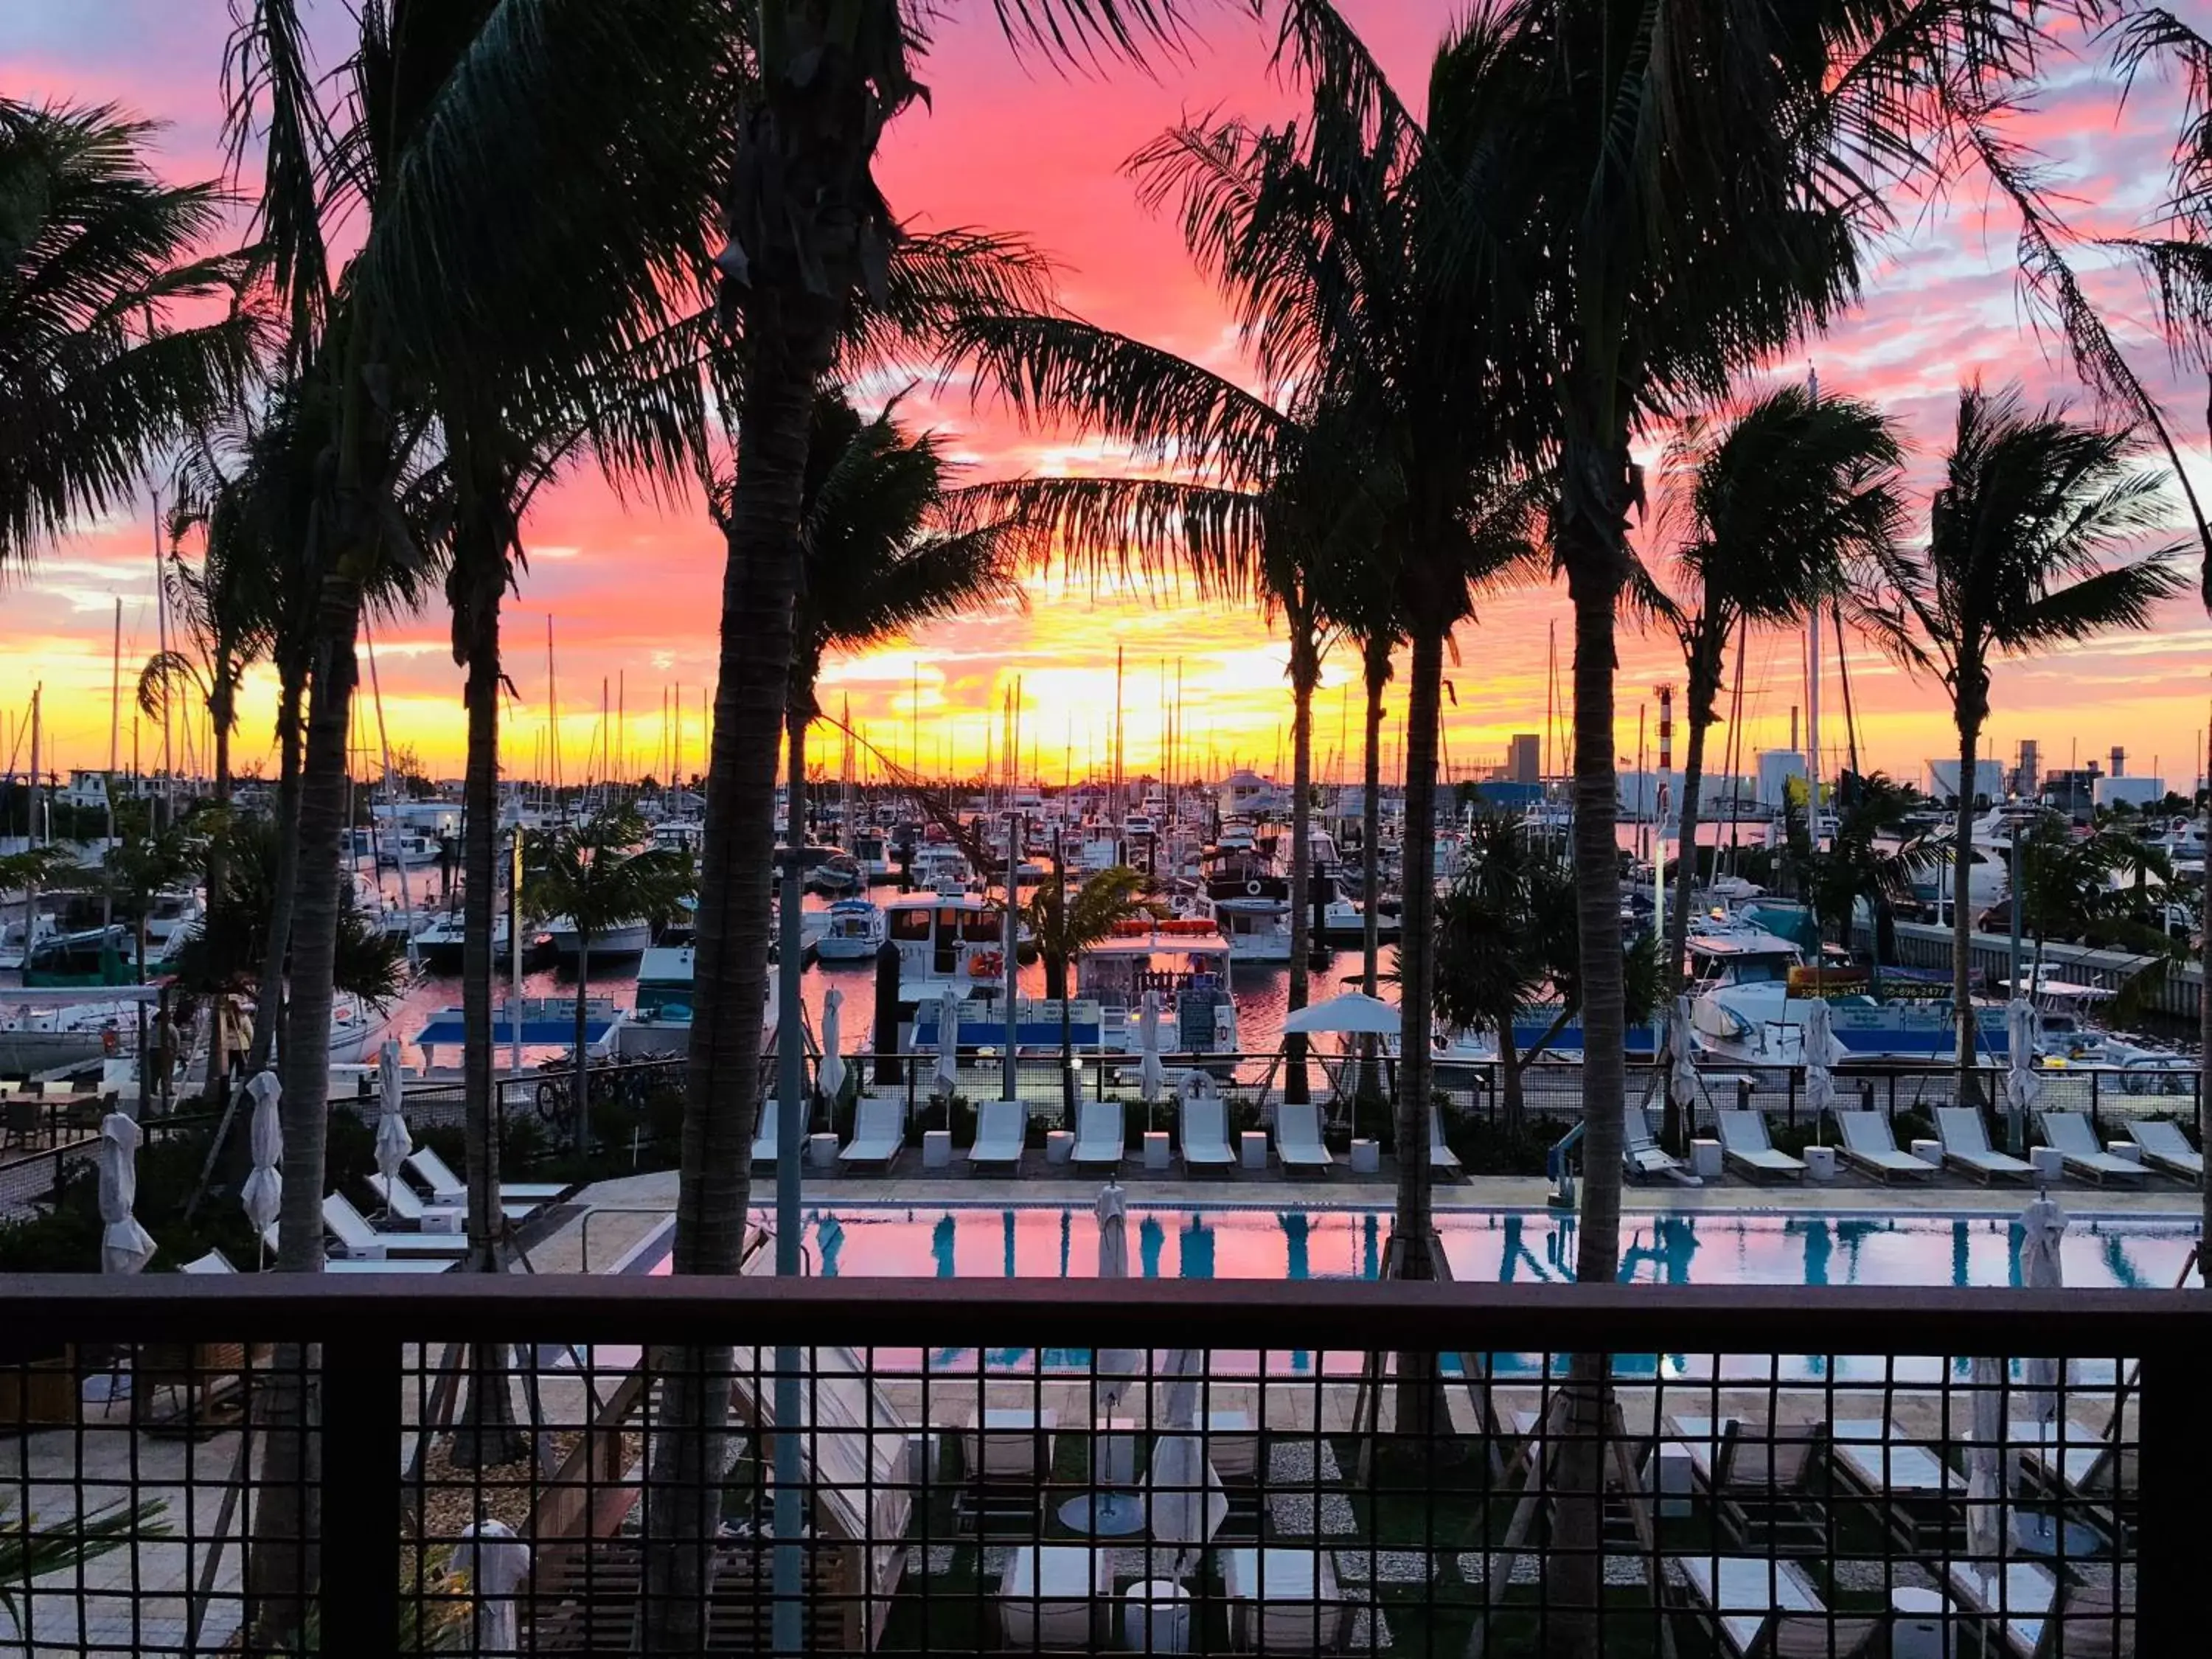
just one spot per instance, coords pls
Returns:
(947, 1078)
(1151, 1075)
(1986, 1452)
(262, 1194)
(1353, 1014)
(1682, 1062)
(493, 1562)
(2042, 1225)
(124, 1244)
(831, 1078)
(1821, 1051)
(1110, 1514)
(1185, 1505)
(393, 1143)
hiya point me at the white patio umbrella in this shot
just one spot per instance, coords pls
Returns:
(831, 1076)
(1185, 1501)
(493, 1562)
(1682, 1062)
(1151, 1075)
(1985, 1456)
(263, 1193)
(125, 1246)
(1110, 1514)
(1353, 1014)
(2042, 1226)
(946, 1077)
(393, 1143)
(1821, 1051)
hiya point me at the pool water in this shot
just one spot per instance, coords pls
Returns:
(1507, 1246)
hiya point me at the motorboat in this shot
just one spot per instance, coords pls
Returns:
(1184, 960)
(853, 931)
(622, 939)
(439, 940)
(407, 849)
(38, 929)
(1752, 992)
(945, 939)
(38, 1035)
(660, 1022)
(2068, 1032)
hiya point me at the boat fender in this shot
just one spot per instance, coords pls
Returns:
(111, 1042)
(1254, 888)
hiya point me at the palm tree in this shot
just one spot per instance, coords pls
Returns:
(1873, 859)
(1065, 929)
(885, 552)
(1766, 513)
(2025, 538)
(96, 377)
(597, 876)
(2095, 889)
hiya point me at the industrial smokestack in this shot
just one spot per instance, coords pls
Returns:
(2119, 761)
(1793, 728)
(1666, 694)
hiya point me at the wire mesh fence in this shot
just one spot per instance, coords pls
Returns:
(377, 1465)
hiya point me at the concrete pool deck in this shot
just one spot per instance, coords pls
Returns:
(602, 1224)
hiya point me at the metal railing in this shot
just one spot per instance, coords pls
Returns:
(1419, 1468)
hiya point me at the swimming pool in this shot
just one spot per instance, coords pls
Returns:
(1496, 1246)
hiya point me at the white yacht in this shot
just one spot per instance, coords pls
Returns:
(659, 1022)
(624, 939)
(1186, 961)
(853, 931)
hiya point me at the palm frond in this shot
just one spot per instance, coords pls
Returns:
(1150, 531)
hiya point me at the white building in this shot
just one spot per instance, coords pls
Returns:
(1775, 767)
(1943, 780)
(1244, 793)
(2134, 791)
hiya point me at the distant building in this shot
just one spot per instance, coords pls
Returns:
(1943, 782)
(1643, 794)
(2026, 778)
(2119, 791)
(1775, 767)
(1244, 792)
(1524, 758)
(2073, 791)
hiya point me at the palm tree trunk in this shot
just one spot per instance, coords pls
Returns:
(583, 1091)
(270, 998)
(1674, 974)
(485, 1434)
(1305, 673)
(282, 1567)
(1371, 858)
(1962, 916)
(795, 722)
(790, 336)
(1417, 955)
(221, 714)
(1596, 560)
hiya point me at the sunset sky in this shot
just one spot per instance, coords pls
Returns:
(633, 591)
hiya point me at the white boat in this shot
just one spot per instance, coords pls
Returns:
(441, 940)
(1186, 962)
(623, 939)
(41, 1033)
(660, 1022)
(945, 939)
(2068, 1034)
(1751, 993)
(853, 931)
(170, 918)
(1258, 929)
(358, 1028)
(12, 951)
(406, 849)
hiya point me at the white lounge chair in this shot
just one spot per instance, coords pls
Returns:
(1057, 1598)
(1101, 1134)
(2019, 1599)
(764, 1136)
(1206, 1135)
(397, 1264)
(214, 1261)
(350, 1231)
(1744, 1140)
(879, 1131)
(2069, 1132)
(447, 1188)
(1441, 1156)
(1642, 1155)
(1870, 1144)
(1966, 1140)
(1768, 1605)
(1298, 1138)
(1916, 1494)
(2165, 1147)
(404, 1204)
(1001, 1127)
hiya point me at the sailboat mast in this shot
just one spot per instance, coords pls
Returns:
(552, 713)
(1813, 678)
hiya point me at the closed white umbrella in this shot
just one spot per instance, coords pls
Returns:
(1110, 1514)
(831, 1076)
(2042, 1226)
(263, 1193)
(947, 1078)
(393, 1143)
(1821, 1052)
(1682, 1063)
(125, 1245)
(493, 1562)
(1151, 1075)
(1185, 1503)
(1985, 1493)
